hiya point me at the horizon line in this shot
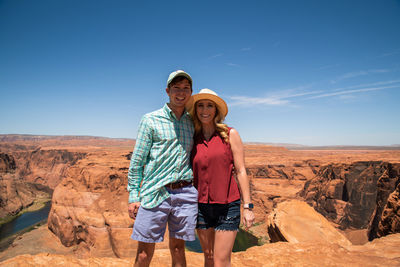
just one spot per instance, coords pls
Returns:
(282, 144)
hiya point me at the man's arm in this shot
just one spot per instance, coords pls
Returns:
(138, 161)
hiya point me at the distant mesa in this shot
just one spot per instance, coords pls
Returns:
(99, 140)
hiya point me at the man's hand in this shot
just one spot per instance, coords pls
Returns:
(133, 209)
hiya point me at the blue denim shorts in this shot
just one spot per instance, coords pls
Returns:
(179, 211)
(223, 217)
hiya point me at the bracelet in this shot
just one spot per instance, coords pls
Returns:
(249, 206)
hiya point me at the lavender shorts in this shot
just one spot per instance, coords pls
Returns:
(179, 211)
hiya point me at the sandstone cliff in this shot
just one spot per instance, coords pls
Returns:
(7, 163)
(296, 222)
(15, 193)
(26, 176)
(356, 195)
(90, 201)
(312, 241)
(89, 207)
(389, 221)
(45, 166)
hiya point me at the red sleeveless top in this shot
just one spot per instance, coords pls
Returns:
(212, 163)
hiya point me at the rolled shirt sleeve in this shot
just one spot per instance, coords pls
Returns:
(139, 159)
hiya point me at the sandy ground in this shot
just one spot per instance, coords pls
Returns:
(39, 240)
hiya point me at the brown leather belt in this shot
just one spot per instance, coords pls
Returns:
(178, 184)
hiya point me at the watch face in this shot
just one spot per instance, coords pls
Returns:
(251, 205)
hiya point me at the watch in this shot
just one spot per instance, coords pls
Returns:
(248, 206)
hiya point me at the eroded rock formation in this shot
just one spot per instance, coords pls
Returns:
(45, 166)
(301, 170)
(90, 201)
(89, 207)
(15, 193)
(7, 163)
(389, 222)
(354, 195)
(295, 221)
(26, 176)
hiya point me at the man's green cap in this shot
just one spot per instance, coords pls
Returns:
(177, 73)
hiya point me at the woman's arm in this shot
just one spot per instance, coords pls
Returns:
(243, 180)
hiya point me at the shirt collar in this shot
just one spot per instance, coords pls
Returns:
(170, 114)
(202, 139)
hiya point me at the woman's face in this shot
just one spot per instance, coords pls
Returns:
(205, 111)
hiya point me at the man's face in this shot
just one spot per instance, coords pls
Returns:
(179, 93)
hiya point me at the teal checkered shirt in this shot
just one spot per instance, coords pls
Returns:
(161, 156)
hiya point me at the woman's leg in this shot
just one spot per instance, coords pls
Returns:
(206, 237)
(223, 246)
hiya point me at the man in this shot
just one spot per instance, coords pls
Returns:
(160, 177)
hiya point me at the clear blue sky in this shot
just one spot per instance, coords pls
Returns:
(307, 72)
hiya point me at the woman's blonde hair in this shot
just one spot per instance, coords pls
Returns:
(220, 127)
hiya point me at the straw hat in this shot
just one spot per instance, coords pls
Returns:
(208, 95)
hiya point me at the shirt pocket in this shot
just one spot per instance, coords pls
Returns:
(165, 133)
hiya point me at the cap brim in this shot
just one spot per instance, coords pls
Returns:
(183, 74)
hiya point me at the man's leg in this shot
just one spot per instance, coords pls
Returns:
(149, 228)
(145, 252)
(177, 249)
(181, 222)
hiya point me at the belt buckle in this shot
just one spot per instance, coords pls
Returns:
(180, 184)
(177, 185)
(171, 186)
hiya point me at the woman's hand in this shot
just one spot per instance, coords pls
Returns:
(248, 218)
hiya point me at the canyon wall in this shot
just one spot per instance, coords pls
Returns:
(26, 175)
(387, 222)
(15, 194)
(356, 195)
(7, 163)
(45, 166)
(89, 206)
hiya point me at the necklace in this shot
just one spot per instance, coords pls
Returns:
(208, 135)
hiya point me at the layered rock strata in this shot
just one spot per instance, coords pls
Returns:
(389, 222)
(45, 166)
(355, 195)
(26, 176)
(90, 202)
(7, 163)
(15, 193)
(274, 183)
(89, 207)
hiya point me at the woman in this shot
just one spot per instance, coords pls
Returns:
(218, 153)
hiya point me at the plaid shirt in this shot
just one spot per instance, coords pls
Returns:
(161, 156)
